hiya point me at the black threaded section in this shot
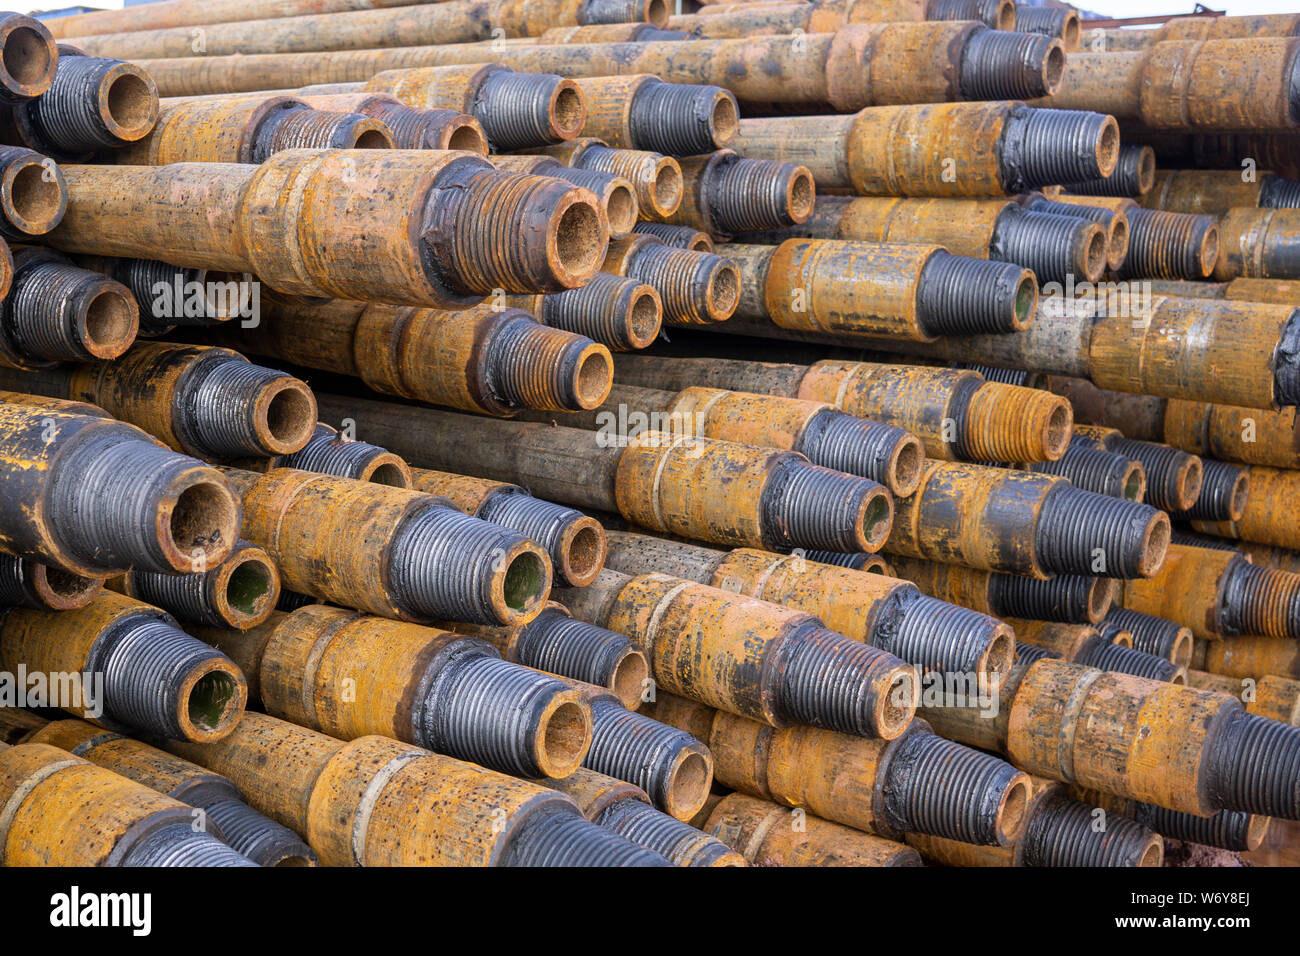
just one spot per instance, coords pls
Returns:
(1151, 634)
(1004, 376)
(292, 600)
(852, 445)
(1255, 766)
(307, 128)
(1049, 21)
(1227, 829)
(1219, 480)
(542, 521)
(256, 836)
(590, 179)
(1101, 654)
(1073, 524)
(939, 787)
(44, 315)
(831, 681)
(1164, 465)
(840, 559)
(986, 11)
(679, 237)
(594, 12)
(105, 498)
(329, 454)
(181, 845)
(65, 120)
(1044, 243)
(1002, 65)
(806, 506)
(933, 635)
(533, 366)
(1166, 245)
(145, 661)
(1064, 598)
(681, 277)
(566, 838)
(487, 711)
(1028, 653)
(1126, 180)
(1260, 600)
(143, 277)
(215, 406)
(1278, 192)
(411, 128)
(962, 295)
(515, 109)
(675, 118)
(189, 597)
(636, 748)
(1286, 371)
(600, 310)
(1092, 213)
(1045, 147)
(749, 194)
(559, 644)
(442, 563)
(1102, 472)
(1063, 832)
(677, 842)
(17, 582)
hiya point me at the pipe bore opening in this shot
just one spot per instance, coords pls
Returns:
(579, 239)
(621, 209)
(566, 735)
(248, 589)
(1053, 71)
(1155, 545)
(688, 787)
(1001, 653)
(1180, 678)
(227, 294)
(667, 187)
(1146, 171)
(1095, 253)
(594, 378)
(390, 474)
(1240, 493)
(802, 195)
(212, 701)
(524, 580)
(568, 109)
(1189, 483)
(1011, 816)
(644, 319)
(1134, 482)
(877, 516)
(629, 677)
(1209, 251)
(1005, 17)
(724, 292)
(1056, 436)
(111, 323)
(468, 138)
(131, 105)
(1256, 830)
(725, 119)
(204, 519)
(898, 707)
(1101, 595)
(290, 417)
(585, 553)
(656, 12)
(35, 200)
(1153, 855)
(26, 56)
(1181, 655)
(906, 473)
(67, 589)
(875, 564)
(1118, 245)
(372, 139)
(292, 861)
(1026, 300)
(1070, 32)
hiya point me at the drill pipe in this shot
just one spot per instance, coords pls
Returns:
(239, 593)
(28, 583)
(622, 314)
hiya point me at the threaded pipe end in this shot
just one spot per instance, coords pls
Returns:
(1278, 192)
(1091, 469)
(566, 838)
(227, 407)
(1260, 601)
(559, 644)
(939, 787)
(961, 295)
(1054, 247)
(1286, 370)
(933, 635)
(623, 314)
(745, 195)
(989, 12)
(329, 454)
(412, 128)
(1062, 832)
(1067, 598)
(679, 237)
(593, 12)
(28, 583)
(1255, 766)
(677, 842)
(835, 683)
(180, 845)
(1002, 65)
(615, 193)
(445, 565)
(1134, 175)
(682, 119)
(257, 837)
(535, 366)
(1101, 654)
(161, 680)
(93, 103)
(525, 110)
(1173, 476)
(656, 179)
(1227, 829)
(669, 764)
(696, 288)
(307, 128)
(1049, 21)
(143, 277)
(33, 193)
(1081, 532)
(1046, 147)
(1014, 423)
(1223, 493)
(57, 312)
(575, 542)
(239, 593)
(859, 447)
(1170, 245)
(1151, 634)
(856, 560)
(806, 506)
(1027, 654)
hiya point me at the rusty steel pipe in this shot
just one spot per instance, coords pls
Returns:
(29, 59)
(28, 583)
(696, 288)
(33, 193)
(622, 314)
(656, 178)
(1104, 650)
(170, 296)
(1134, 176)
(618, 201)
(1114, 221)
(330, 453)
(1155, 635)
(411, 127)
(643, 112)
(724, 193)
(680, 237)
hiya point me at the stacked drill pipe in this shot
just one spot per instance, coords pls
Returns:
(1059, 22)
(458, 21)
(856, 66)
(391, 552)
(415, 227)
(605, 33)
(950, 149)
(31, 584)
(350, 675)
(1081, 644)
(1173, 477)
(680, 237)
(33, 193)
(330, 453)
(643, 112)
(30, 59)
(828, 437)
(170, 296)
(240, 592)
(995, 13)
(246, 831)
(915, 783)
(482, 359)
(618, 201)
(411, 127)
(1258, 244)
(1277, 698)
(1134, 176)
(1161, 244)
(1058, 831)
(575, 541)
(622, 314)
(1253, 657)
(998, 229)
(1097, 469)
(748, 19)
(1269, 516)
(955, 413)
(626, 810)
(884, 612)
(656, 178)
(696, 288)
(55, 311)
(1216, 192)
(375, 801)
(749, 657)
(93, 103)
(1067, 598)
(211, 403)
(62, 810)
(143, 672)
(1227, 829)
(1216, 84)
(1155, 635)
(719, 491)
(94, 496)
(1223, 150)
(1113, 221)
(182, 13)
(1158, 742)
